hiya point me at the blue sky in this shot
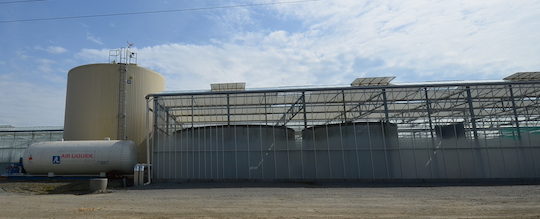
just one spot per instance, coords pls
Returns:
(311, 43)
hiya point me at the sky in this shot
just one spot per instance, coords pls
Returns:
(325, 42)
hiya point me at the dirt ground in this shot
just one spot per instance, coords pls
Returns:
(37, 200)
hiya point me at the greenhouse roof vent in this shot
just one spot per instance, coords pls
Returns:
(373, 81)
(239, 86)
(523, 76)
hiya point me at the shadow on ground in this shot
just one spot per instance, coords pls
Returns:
(74, 187)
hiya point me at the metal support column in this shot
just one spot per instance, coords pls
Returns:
(192, 150)
(344, 106)
(522, 154)
(228, 111)
(387, 153)
(385, 104)
(155, 139)
(471, 114)
(476, 151)
(434, 165)
(167, 121)
(148, 136)
(304, 110)
(428, 108)
(265, 110)
(514, 109)
(192, 110)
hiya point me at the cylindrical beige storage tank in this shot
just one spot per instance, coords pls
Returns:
(97, 96)
(80, 157)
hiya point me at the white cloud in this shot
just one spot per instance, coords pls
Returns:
(93, 55)
(275, 59)
(45, 65)
(52, 49)
(56, 49)
(93, 39)
(196, 66)
(492, 38)
(233, 20)
(414, 40)
(21, 54)
(30, 104)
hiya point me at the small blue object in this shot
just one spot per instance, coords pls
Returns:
(56, 159)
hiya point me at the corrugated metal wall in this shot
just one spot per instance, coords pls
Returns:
(271, 153)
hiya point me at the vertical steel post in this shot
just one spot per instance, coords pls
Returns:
(192, 138)
(148, 134)
(522, 154)
(167, 121)
(304, 108)
(228, 110)
(385, 104)
(155, 137)
(383, 130)
(435, 166)
(428, 108)
(471, 114)
(477, 152)
(344, 106)
(514, 109)
(265, 110)
(192, 111)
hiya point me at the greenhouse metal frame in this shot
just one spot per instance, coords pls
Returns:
(443, 131)
(13, 141)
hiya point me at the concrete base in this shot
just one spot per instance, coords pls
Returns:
(98, 185)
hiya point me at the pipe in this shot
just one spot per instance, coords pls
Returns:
(148, 142)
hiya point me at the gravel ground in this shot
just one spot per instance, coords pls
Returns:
(33, 200)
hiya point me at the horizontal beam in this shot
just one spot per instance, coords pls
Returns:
(388, 87)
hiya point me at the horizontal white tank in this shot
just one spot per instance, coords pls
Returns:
(80, 157)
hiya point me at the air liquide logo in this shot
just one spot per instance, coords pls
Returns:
(55, 159)
(78, 156)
